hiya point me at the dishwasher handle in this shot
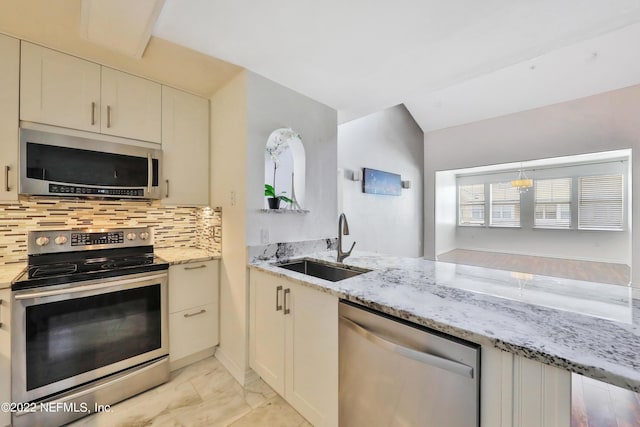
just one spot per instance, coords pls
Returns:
(426, 358)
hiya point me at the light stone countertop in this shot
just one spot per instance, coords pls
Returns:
(185, 255)
(8, 272)
(538, 317)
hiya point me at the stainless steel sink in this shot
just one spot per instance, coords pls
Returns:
(323, 270)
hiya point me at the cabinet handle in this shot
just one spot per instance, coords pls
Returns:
(167, 195)
(93, 113)
(278, 305)
(195, 314)
(149, 173)
(6, 178)
(108, 116)
(286, 306)
(196, 267)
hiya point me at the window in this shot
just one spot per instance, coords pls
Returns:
(553, 203)
(505, 205)
(601, 202)
(471, 204)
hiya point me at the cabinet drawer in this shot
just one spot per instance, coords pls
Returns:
(192, 330)
(192, 285)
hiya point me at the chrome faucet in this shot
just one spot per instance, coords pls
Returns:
(343, 229)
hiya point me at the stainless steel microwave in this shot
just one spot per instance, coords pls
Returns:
(53, 164)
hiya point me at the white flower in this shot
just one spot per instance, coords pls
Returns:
(278, 143)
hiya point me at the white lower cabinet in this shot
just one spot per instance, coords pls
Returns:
(5, 354)
(193, 312)
(294, 344)
(519, 392)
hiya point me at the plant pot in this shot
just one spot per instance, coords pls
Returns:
(274, 202)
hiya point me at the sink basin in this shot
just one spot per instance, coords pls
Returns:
(323, 270)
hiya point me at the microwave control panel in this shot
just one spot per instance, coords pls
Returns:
(96, 191)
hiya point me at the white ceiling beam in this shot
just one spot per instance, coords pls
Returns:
(121, 25)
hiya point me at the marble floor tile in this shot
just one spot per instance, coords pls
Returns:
(202, 394)
(274, 412)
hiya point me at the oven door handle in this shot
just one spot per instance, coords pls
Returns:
(84, 288)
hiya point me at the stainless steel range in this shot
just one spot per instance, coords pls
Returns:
(89, 323)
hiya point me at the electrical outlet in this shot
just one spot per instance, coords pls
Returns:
(264, 236)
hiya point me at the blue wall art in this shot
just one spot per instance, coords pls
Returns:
(380, 182)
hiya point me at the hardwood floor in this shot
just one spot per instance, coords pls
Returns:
(603, 272)
(597, 404)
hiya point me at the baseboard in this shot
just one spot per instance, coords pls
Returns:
(193, 358)
(236, 371)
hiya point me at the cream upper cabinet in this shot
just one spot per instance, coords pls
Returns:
(185, 147)
(9, 101)
(59, 89)
(62, 90)
(131, 106)
(293, 340)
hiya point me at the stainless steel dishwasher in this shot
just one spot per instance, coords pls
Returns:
(394, 373)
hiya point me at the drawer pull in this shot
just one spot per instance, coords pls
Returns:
(195, 314)
(278, 305)
(196, 267)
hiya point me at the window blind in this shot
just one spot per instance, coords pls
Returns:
(601, 202)
(505, 205)
(553, 203)
(471, 204)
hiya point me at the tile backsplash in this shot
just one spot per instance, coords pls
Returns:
(173, 226)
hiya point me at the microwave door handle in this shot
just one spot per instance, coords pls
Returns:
(149, 173)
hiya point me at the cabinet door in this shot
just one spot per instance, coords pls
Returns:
(9, 84)
(192, 330)
(266, 328)
(5, 354)
(312, 354)
(131, 106)
(59, 89)
(185, 147)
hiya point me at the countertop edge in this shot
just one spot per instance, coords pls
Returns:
(560, 362)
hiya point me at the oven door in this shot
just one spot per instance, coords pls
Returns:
(67, 335)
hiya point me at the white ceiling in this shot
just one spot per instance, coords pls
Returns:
(439, 58)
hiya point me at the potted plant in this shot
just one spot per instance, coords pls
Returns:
(273, 198)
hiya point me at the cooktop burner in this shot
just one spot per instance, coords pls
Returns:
(66, 256)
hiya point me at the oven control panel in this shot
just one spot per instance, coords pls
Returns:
(51, 241)
(102, 238)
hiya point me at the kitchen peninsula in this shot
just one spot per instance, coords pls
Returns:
(455, 300)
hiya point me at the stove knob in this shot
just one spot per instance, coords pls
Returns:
(60, 240)
(144, 235)
(131, 236)
(42, 241)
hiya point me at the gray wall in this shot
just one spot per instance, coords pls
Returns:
(389, 140)
(598, 123)
(271, 106)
